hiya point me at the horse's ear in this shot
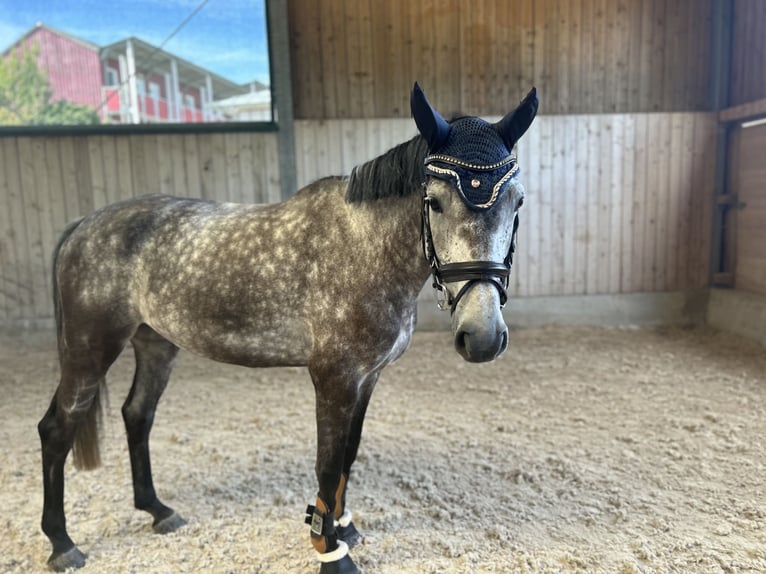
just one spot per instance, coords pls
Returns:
(431, 125)
(513, 125)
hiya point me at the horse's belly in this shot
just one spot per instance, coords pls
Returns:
(283, 345)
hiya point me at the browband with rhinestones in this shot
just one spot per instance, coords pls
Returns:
(472, 166)
(495, 189)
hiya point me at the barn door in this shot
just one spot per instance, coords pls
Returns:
(744, 236)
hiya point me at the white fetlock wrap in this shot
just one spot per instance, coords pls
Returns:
(337, 554)
(345, 519)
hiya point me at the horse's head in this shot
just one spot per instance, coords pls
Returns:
(470, 216)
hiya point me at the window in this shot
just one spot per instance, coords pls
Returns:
(88, 66)
(112, 77)
(154, 90)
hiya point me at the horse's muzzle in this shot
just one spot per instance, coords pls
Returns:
(481, 334)
(480, 349)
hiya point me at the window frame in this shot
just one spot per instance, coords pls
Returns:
(163, 128)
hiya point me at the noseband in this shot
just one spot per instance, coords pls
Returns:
(472, 272)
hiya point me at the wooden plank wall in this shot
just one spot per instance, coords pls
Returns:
(616, 203)
(47, 181)
(619, 201)
(359, 58)
(746, 245)
(748, 73)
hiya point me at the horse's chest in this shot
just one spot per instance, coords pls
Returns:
(396, 346)
(404, 339)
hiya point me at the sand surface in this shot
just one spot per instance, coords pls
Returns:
(581, 450)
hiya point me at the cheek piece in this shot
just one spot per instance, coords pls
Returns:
(472, 272)
(475, 161)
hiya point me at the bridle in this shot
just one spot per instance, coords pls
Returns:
(472, 272)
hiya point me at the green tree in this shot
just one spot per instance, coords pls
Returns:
(66, 113)
(25, 95)
(24, 89)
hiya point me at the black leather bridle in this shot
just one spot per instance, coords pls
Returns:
(472, 272)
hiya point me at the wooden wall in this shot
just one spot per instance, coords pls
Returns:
(746, 248)
(47, 181)
(615, 203)
(744, 227)
(619, 168)
(359, 58)
(748, 72)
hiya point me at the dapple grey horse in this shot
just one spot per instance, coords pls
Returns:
(328, 279)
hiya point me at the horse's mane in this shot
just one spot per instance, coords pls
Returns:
(396, 173)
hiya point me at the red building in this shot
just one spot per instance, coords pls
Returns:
(129, 81)
(73, 65)
(143, 84)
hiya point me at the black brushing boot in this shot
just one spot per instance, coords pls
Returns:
(331, 552)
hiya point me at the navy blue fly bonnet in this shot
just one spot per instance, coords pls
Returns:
(477, 157)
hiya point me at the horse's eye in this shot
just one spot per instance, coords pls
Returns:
(520, 203)
(436, 207)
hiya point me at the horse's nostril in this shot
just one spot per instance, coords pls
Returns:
(461, 341)
(480, 347)
(503, 341)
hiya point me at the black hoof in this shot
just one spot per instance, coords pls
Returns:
(168, 524)
(343, 566)
(349, 534)
(72, 558)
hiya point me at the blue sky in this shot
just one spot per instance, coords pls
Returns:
(227, 37)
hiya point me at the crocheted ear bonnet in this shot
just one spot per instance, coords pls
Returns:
(474, 155)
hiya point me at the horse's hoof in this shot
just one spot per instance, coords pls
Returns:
(349, 534)
(72, 558)
(343, 566)
(168, 524)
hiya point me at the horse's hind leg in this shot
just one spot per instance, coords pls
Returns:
(57, 436)
(154, 361)
(72, 419)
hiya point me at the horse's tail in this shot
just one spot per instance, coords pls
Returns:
(54, 281)
(86, 450)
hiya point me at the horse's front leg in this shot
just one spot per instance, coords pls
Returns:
(344, 524)
(336, 399)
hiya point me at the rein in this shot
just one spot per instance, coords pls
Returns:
(473, 272)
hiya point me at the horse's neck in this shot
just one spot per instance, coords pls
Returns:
(394, 234)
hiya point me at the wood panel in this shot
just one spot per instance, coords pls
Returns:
(358, 59)
(616, 203)
(741, 112)
(47, 181)
(749, 183)
(748, 74)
